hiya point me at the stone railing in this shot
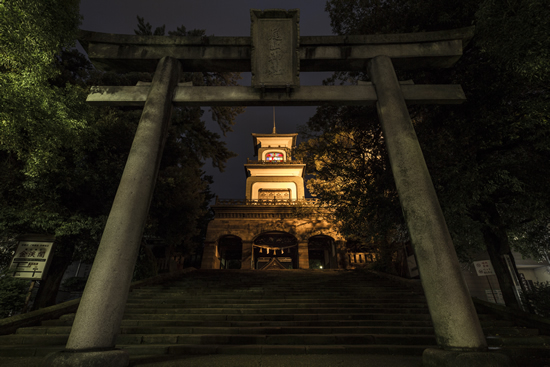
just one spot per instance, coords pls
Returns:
(302, 202)
(293, 161)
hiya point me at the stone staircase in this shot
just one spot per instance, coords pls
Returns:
(278, 312)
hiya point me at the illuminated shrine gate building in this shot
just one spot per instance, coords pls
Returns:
(269, 228)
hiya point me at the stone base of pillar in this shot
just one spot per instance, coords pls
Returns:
(111, 358)
(433, 357)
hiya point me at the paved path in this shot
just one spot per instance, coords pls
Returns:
(311, 360)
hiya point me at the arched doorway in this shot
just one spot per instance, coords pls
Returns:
(275, 250)
(230, 252)
(322, 253)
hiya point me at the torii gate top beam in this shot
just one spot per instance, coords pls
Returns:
(121, 53)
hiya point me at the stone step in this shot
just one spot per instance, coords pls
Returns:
(337, 287)
(500, 331)
(233, 339)
(244, 311)
(351, 298)
(301, 323)
(275, 297)
(272, 339)
(242, 330)
(191, 349)
(500, 341)
(272, 305)
(279, 317)
(268, 294)
(258, 329)
(490, 327)
(36, 340)
(294, 312)
(523, 356)
(273, 318)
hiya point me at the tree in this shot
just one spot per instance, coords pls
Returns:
(61, 160)
(344, 150)
(37, 119)
(487, 157)
(42, 124)
(189, 144)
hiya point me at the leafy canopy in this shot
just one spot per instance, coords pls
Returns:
(492, 150)
(37, 119)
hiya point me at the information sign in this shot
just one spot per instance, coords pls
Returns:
(32, 257)
(484, 268)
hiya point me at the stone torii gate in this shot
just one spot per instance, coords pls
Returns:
(276, 54)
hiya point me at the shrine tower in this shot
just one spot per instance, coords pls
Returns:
(274, 176)
(269, 228)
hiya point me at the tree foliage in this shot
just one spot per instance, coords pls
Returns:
(61, 160)
(176, 214)
(488, 157)
(37, 119)
(515, 33)
(12, 294)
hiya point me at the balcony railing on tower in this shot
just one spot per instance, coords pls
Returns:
(300, 202)
(293, 161)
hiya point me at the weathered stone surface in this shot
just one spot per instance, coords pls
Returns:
(319, 53)
(111, 358)
(247, 255)
(301, 96)
(433, 357)
(275, 40)
(303, 255)
(100, 313)
(455, 322)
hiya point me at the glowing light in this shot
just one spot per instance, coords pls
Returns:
(274, 157)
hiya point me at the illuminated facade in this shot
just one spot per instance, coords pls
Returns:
(275, 226)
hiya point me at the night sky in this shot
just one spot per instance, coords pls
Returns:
(219, 18)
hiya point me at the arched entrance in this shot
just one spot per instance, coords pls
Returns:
(230, 252)
(275, 250)
(322, 253)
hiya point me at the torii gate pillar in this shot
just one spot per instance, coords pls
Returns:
(97, 322)
(453, 314)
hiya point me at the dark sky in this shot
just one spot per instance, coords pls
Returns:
(219, 18)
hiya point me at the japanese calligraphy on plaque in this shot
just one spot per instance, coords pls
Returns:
(32, 257)
(275, 41)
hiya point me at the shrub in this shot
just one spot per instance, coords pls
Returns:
(539, 298)
(12, 295)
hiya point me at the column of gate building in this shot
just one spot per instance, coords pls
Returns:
(276, 54)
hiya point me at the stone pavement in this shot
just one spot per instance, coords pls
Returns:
(309, 360)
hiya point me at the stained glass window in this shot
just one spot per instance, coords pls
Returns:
(274, 157)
